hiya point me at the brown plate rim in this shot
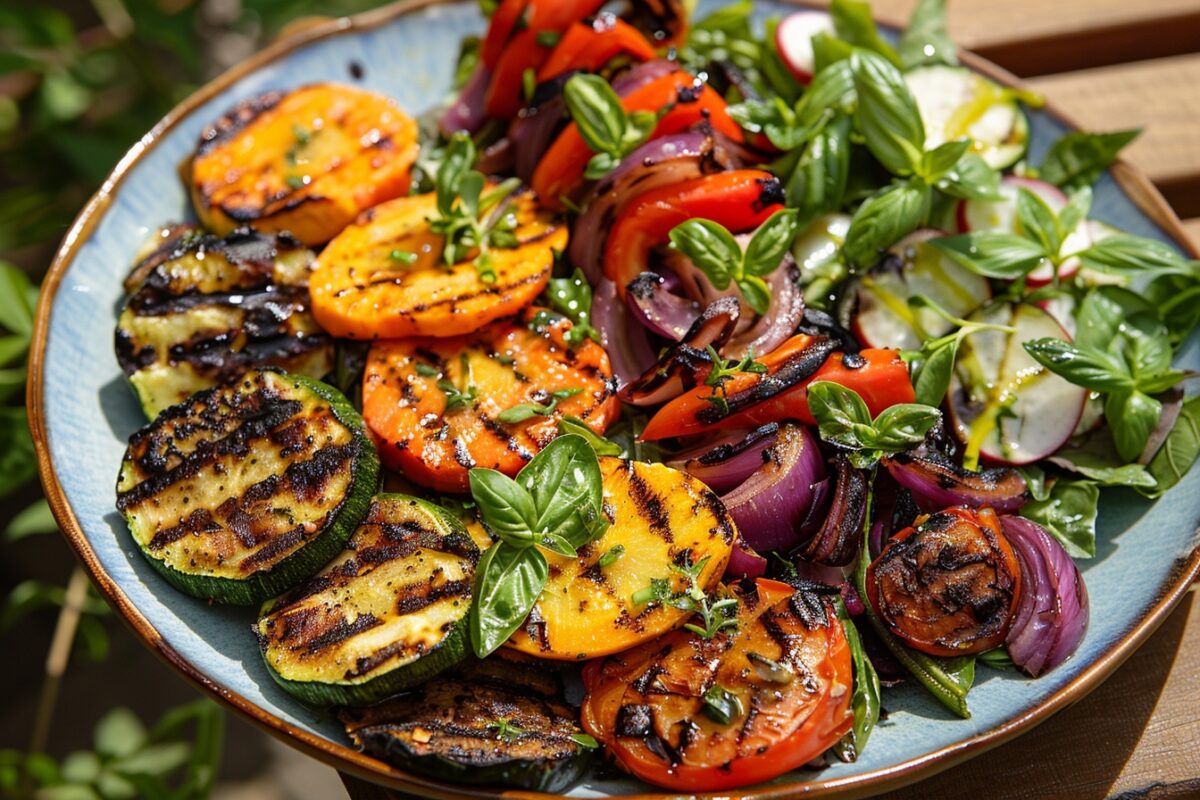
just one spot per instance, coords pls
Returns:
(1184, 571)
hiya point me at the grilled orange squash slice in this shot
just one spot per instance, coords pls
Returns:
(433, 405)
(306, 161)
(660, 517)
(363, 289)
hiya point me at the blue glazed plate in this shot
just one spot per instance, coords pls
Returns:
(82, 411)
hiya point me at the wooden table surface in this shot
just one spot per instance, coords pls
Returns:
(1109, 64)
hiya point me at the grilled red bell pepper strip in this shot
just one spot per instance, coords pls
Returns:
(741, 200)
(516, 42)
(588, 46)
(687, 100)
(879, 376)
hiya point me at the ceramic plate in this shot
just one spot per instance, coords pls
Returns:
(82, 412)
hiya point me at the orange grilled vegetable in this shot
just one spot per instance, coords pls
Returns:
(660, 516)
(306, 161)
(364, 288)
(432, 404)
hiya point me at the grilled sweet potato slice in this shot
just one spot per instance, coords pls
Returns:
(434, 405)
(306, 161)
(363, 288)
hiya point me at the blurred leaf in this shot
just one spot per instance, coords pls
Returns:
(157, 759)
(63, 97)
(17, 461)
(66, 791)
(115, 787)
(18, 297)
(119, 734)
(94, 638)
(27, 597)
(31, 520)
(82, 766)
(42, 768)
(13, 347)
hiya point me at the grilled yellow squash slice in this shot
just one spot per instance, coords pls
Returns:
(365, 288)
(245, 489)
(306, 161)
(382, 617)
(204, 309)
(660, 517)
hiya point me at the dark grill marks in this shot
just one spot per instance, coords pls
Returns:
(272, 550)
(501, 433)
(799, 367)
(236, 120)
(417, 596)
(337, 632)
(198, 522)
(650, 506)
(713, 505)
(307, 479)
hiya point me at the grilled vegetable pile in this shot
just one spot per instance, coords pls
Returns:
(730, 370)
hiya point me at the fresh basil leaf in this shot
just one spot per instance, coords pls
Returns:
(508, 581)
(711, 248)
(827, 51)
(854, 23)
(994, 255)
(721, 705)
(18, 463)
(1144, 345)
(1076, 211)
(771, 242)
(1100, 314)
(597, 111)
(1095, 457)
(522, 412)
(576, 426)
(600, 165)
(884, 219)
(997, 658)
(1038, 221)
(572, 297)
(1179, 451)
(902, 426)
(866, 698)
(755, 292)
(940, 160)
(1127, 256)
(564, 480)
(506, 507)
(1092, 369)
(925, 40)
(839, 411)
(817, 184)
(887, 114)
(557, 544)
(1132, 416)
(1078, 159)
(1069, 515)
(931, 380)
(971, 179)
(457, 163)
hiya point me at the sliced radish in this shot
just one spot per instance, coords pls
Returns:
(793, 39)
(956, 102)
(820, 244)
(1007, 408)
(1062, 308)
(884, 318)
(1001, 215)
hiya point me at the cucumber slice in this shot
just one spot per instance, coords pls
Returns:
(491, 723)
(913, 268)
(1005, 406)
(245, 489)
(956, 102)
(204, 309)
(385, 615)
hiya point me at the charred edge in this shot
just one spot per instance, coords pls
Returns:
(495, 289)
(797, 368)
(724, 452)
(236, 120)
(417, 596)
(337, 633)
(650, 506)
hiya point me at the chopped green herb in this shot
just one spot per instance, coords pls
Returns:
(721, 705)
(610, 557)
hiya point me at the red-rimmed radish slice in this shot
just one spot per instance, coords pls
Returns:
(793, 39)
(956, 102)
(884, 318)
(1001, 215)
(1007, 408)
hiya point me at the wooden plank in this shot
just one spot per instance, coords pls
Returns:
(1133, 737)
(1192, 226)
(1035, 37)
(1159, 95)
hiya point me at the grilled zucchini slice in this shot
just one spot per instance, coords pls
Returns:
(203, 309)
(660, 517)
(306, 161)
(246, 489)
(364, 287)
(493, 723)
(385, 615)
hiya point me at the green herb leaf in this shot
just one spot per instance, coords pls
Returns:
(888, 114)
(972, 179)
(18, 297)
(577, 427)
(603, 123)
(771, 242)
(1128, 256)
(997, 658)
(1092, 369)
(572, 297)
(937, 162)
(884, 219)
(711, 247)
(522, 412)
(508, 581)
(1180, 449)
(610, 556)
(994, 255)
(931, 379)
(866, 699)
(817, 183)
(854, 23)
(843, 419)
(1132, 415)
(506, 507)
(721, 705)
(1078, 159)
(585, 741)
(1069, 515)
(1038, 221)
(564, 482)
(925, 40)
(1096, 458)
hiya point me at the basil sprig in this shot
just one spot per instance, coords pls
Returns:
(468, 219)
(716, 253)
(1121, 349)
(608, 129)
(729, 36)
(1066, 509)
(554, 503)
(1078, 159)
(572, 297)
(933, 364)
(925, 40)
(855, 25)
(843, 419)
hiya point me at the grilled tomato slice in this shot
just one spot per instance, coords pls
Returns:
(949, 585)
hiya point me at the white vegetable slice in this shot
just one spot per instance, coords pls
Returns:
(793, 39)
(956, 102)
(1006, 407)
